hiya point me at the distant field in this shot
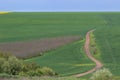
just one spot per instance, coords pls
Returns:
(15, 27)
(29, 26)
(4, 12)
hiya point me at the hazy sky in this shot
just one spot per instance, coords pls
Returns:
(59, 5)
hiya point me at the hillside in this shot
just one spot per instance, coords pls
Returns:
(68, 59)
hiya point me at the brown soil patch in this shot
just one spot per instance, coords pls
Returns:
(3, 79)
(36, 47)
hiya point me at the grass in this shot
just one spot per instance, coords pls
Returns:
(108, 38)
(28, 26)
(25, 26)
(94, 48)
(67, 60)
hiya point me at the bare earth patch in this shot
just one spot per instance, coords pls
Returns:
(36, 47)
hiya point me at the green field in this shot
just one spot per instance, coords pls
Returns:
(30, 26)
(108, 39)
(27, 26)
(67, 60)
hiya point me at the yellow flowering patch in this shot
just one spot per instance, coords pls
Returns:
(84, 65)
(4, 12)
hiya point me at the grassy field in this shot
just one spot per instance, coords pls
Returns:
(66, 60)
(29, 26)
(108, 38)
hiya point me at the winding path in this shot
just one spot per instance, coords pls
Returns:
(87, 51)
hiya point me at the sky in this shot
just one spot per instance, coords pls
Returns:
(59, 5)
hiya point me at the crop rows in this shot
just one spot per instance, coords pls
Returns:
(25, 26)
(108, 38)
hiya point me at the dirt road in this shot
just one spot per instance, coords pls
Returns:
(87, 51)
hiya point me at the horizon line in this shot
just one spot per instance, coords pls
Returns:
(59, 11)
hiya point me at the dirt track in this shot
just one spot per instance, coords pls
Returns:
(87, 51)
(36, 47)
